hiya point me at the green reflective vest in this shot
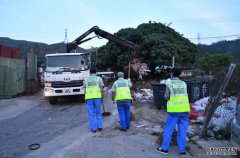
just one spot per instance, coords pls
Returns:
(93, 89)
(122, 90)
(178, 101)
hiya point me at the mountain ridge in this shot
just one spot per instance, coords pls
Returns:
(39, 48)
(231, 46)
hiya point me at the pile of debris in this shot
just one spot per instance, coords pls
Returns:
(220, 122)
(143, 94)
(198, 110)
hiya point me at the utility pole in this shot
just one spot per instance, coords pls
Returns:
(173, 61)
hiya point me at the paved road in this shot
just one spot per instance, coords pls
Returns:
(39, 123)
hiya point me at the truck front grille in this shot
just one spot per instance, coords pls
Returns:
(60, 84)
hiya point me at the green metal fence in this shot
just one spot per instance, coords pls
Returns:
(12, 77)
(32, 80)
(32, 65)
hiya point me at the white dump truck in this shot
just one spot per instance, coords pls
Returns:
(64, 74)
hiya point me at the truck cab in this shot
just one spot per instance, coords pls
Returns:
(64, 74)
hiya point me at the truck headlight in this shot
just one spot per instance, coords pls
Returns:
(48, 91)
(48, 84)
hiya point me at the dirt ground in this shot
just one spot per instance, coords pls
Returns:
(77, 141)
(147, 123)
(145, 119)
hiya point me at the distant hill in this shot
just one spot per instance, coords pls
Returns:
(39, 48)
(232, 47)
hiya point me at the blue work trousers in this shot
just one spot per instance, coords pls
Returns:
(124, 113)
(173, 119)
(94, 113)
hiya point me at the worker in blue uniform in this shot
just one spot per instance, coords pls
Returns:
(93, 96)
(122, 96)
(177, 113)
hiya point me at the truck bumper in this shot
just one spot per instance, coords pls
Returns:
(49, 91)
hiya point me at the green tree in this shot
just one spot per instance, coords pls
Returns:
(212, 63)
(156, 42)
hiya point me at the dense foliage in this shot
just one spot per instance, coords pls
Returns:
(212, 63)
(156, 42)
(221, 47)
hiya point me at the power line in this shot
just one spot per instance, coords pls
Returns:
(215, 18)
(216, 37)
(210, 20)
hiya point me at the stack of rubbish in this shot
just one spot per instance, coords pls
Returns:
(221, 120)
(222, 117)
(143, 94)
(198, 109)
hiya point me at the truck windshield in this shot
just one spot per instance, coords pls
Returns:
(67, 63)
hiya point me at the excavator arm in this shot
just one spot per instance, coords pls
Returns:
(100, 33)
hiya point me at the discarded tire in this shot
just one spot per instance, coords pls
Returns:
(34, 146)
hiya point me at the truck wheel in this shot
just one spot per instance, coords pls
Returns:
(52, 100)
(81, 98)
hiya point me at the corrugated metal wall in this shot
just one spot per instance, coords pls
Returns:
(18, 75)
(12, 77)
(9, 52)
(32, 65)
(32, 80)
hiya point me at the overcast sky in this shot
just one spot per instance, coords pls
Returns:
(46, 20)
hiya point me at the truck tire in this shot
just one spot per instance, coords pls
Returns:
(80, 98)
(52, 100)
